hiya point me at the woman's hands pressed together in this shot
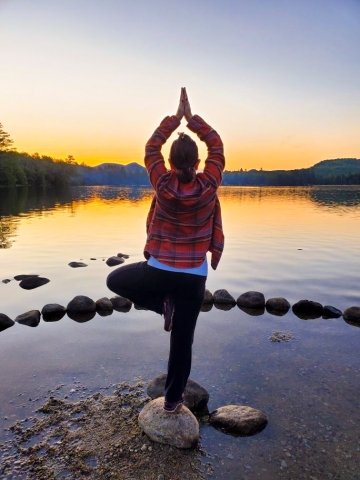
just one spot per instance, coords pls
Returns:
(184, 109)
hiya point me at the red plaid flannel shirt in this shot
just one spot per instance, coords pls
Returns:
(184, 221)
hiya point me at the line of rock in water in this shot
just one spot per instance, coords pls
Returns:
(34, 280)
(83, 309)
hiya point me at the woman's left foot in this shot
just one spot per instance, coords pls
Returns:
(168, 312)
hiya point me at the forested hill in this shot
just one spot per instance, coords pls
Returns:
(23, 169)
(340, 171)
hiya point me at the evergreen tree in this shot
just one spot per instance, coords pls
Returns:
(5, 140)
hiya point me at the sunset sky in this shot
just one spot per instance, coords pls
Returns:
(278, 79)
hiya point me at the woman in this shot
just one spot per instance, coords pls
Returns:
(184, 222)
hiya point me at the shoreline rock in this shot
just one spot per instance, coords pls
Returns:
(53, 312)
(121, 304)
(239, 420)
(112, 261)
(81, 304)
(352, 316)
(104, 306)
(307, 309)
(179, 429)
(77, 264)
(223, 297)
(278, 306)
(33, 282)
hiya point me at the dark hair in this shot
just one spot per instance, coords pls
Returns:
(183, 156)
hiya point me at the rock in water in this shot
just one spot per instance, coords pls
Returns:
(6, 280)
(238, 420)
(208, 297)
(33, 282)
(104, 306)
(31, 318)
(81, 304)
(121, 304)
(77, 264)
(307, 309)
(52, 312)
(251, 300)
(352, 316)
(223, 297)
(277, 306)
(5, 322)
(331, 312)
(23, 277)
(112, 261)
(196, 397)
(180, 429)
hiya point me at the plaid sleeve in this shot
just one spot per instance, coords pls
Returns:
(154, 160)
(215, 162)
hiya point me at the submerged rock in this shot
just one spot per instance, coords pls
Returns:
(223, 297)
(81, 304)
(278, 337)
(112, 261)
(52, 312)
(352, 316)
(104, 306)
(238, 420)
(23, 277)
(307, 309)
(331, 312)
(251, 299)
(33, 282)
(5, 322)
(179, 429)
(31, 318)
(121, 304)
(196, 397)
(6, 280)
(77, 264)
(277, 306)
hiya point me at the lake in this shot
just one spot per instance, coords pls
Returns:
(295, 242)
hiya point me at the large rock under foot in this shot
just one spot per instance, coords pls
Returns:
(180, 429)
(196, 397)
(238, 420)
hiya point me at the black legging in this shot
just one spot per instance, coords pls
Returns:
(148, 286)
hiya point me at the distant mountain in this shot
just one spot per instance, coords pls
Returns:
(327, 172)
(132, 174)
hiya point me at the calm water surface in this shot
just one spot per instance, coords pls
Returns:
(292, 242)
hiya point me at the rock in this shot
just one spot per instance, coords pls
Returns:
(112, 261)
(122, 255)
(223, 297)
(52, 312)
(238, 420)
(281, 337)
(77, 264)
(208, 297)
(121, 304)
(206, 307)
(196, 397)
(224, 306)
(81, 317)
(33, 282)
(277, 306)
(81, 304)
(104, 306)
(251, 300)
(180, 429)
(31, 318)
(5, 322)
(331, 312)
(352, 316)
(307, 309)
(254, 312)
(23, 277)
(6, 280)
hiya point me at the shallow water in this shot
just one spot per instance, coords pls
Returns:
(292, 242)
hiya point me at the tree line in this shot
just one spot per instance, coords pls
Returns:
(20, 169)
